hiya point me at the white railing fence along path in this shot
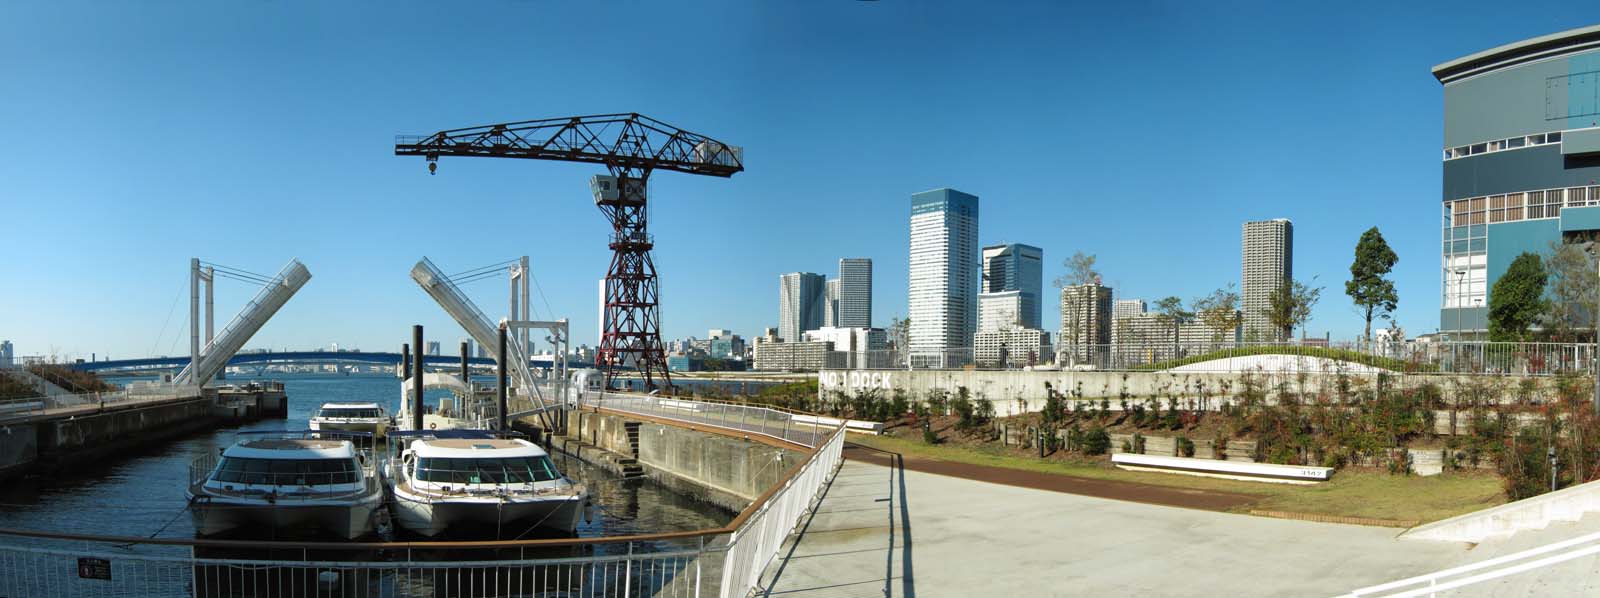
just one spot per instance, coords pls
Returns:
(1488, 570)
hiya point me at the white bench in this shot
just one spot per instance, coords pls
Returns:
(849, 425)
(1234, 470)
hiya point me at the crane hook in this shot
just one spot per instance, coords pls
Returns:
(432, 166)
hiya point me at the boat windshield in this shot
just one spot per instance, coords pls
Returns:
(348, 412)
(287, 472)
(509, 470)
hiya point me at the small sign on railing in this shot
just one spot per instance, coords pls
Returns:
(94, 568)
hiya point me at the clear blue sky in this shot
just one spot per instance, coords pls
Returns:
(139, 134)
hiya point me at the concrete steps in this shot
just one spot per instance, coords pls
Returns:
(1577, 577)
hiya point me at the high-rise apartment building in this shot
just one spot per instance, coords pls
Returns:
(1085, 322)
(1127, 307)
(944, 274)
(1268, 264)
(855, 293)
(800, 304)
(1016, 267)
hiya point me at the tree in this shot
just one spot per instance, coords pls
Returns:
(1367, 287)
(1290, 305)
(1574, 289)
(1516, 301)
(1219, 311)
(1080, 270)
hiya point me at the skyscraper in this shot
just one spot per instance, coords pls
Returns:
(830, 304)
(7, 358)
(800, 304)
(1016, 267)
(944, 272)
(855, 293)
(1268, 264)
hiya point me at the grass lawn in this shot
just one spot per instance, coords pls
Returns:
(1351, 493)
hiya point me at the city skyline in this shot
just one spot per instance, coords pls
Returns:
(135, 220)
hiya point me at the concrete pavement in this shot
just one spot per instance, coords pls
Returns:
(883, 531)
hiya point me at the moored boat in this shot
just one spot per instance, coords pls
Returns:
(304, 481)
(470, 480)
(351, 417)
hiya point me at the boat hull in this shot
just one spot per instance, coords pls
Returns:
(346, 519)
(377, 429)
(513, 516)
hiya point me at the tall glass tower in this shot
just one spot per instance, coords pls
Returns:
(801, 298)
(1016, 267)
(944, 273)
(855, 293)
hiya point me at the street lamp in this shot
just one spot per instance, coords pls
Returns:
(1552, 464)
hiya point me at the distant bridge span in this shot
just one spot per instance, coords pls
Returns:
(299, 357)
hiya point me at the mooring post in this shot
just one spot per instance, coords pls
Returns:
(405, 361)
(416, 379)
(466, 371)
(500, 370)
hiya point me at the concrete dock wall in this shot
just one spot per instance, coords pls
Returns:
(726, 471)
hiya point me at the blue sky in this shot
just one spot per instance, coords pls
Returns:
(245, 133)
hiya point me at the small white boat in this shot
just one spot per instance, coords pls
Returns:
(470, 479)
(288, 480)
(351, 417)
(460, 411)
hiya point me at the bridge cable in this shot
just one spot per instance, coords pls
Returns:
(156, 344)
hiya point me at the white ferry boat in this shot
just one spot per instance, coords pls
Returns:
(351, 417)
(470, 479)
(288, 481)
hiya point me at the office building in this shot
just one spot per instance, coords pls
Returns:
(944, 276)
(830, 305)
(855, 293)
(433, 347)
(1085, 322)
(800, 304)
(1267, 265)
(1016, 267)
(1520, 159)
(1000, 310)
(8, 357)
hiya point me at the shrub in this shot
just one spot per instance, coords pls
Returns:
(939, 402)
(1185, 447)
(928, 435)
(1096, 441)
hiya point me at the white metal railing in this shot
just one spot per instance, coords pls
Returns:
(43, 405)
(1488, 570)
(753, 419)
(753, 546)
(49, 572)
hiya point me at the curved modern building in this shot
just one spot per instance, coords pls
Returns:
(1521, 162)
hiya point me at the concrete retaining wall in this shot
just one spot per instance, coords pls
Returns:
(1531, 513)
(726, 471)
(1018, 391)
(19, 447)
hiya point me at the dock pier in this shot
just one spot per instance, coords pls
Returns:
(50, 433)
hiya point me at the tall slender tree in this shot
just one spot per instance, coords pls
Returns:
(1516, 302)
(1369, 286)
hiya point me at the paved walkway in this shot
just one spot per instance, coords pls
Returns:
(883, 531)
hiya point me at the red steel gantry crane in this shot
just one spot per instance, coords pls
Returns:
(630, 146)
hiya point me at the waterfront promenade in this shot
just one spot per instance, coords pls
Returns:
(884, 531)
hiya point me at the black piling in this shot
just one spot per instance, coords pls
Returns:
(466, 373)
(503, 379)
(416, 380)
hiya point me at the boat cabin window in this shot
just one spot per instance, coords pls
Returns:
(510, 470)
(287, 472)
(348, 412)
